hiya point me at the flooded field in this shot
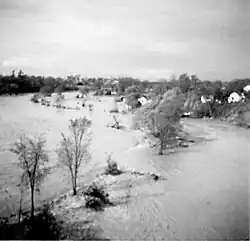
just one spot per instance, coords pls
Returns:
(206, 194)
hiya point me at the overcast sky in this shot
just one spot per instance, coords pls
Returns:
(144, 38)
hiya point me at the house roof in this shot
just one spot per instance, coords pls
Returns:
(247, 88)
(234, 93)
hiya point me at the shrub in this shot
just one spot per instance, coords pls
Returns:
(44, 226)
(35, 98)
(112, 168)
(59, 98)
(95, 196)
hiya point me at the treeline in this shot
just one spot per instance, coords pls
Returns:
(23, 83)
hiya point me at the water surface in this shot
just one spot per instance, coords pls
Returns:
(206, 196)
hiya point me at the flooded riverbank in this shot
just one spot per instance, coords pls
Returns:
(206, 194)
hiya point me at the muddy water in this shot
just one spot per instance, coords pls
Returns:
(206, 196)
(19, 115)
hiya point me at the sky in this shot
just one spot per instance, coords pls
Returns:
(148, 39)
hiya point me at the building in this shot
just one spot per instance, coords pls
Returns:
(205, 99)
(143, 100)
(246, 88)
(234, 97)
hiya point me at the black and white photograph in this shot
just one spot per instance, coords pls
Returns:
(125, 120)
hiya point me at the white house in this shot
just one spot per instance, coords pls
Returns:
(205, 99)
(234, 97)
(142, 100)
(247, 88)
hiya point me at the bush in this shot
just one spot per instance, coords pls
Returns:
(132, 100)
(96, 198)
(47, 227)
(44, 226)
(112, 168)
(35, 98)
(59, 98)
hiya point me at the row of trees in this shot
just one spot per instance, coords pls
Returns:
(22, 83)
(33, 159)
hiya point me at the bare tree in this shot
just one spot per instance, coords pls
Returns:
(74, 149)
(116, 123)
(33, 160)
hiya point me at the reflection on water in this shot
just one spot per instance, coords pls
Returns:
(206, 196)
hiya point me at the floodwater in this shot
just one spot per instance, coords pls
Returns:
(206, 195)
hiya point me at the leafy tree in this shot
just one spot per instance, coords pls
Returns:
(84, 89)
(46, 90)
(59, 89)
(194, 83)
(74, 149)
(33, 161)
(184, 83)
(167, 135)
(131, 89)
(161, 87)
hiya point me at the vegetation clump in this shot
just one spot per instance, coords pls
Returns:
(132, 100)
(96, 198)
(35, 98)
(162, 117)
(43, 226)
(47, 226)
(112, 167)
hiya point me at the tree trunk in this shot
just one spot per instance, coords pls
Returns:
(20, 209)
(74, 191)
(74, 187)
(32, 203)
